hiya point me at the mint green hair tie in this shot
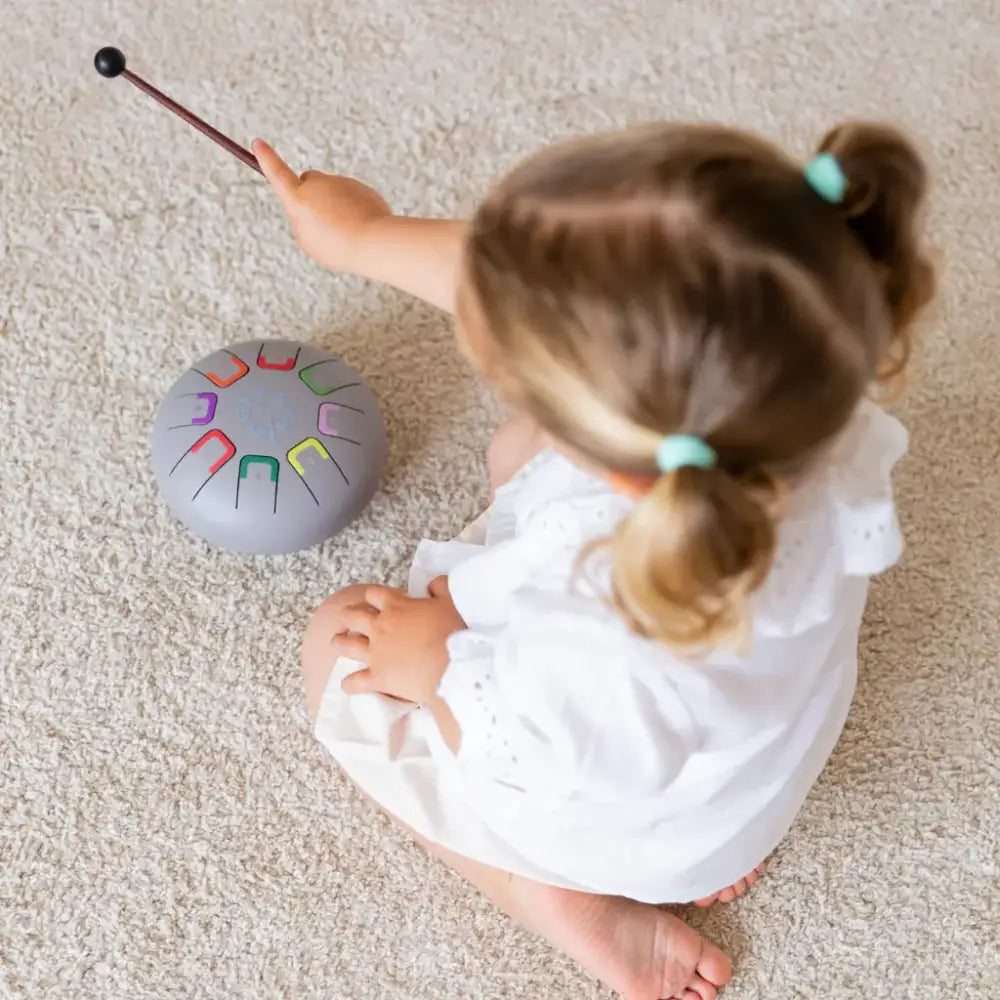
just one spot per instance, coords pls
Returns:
(826, 177)
(680, 451)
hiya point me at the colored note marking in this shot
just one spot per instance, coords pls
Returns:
(211, 401)
(312, 379)
(277, 366)
(272, 466)
(228, 448)
(310, 442)
(224, 382)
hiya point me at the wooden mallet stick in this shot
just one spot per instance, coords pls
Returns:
(110, 62)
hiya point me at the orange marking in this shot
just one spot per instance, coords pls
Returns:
(241, 370)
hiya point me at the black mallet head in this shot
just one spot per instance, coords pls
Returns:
(109, 61)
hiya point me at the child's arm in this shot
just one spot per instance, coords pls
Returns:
(419, 256)
(347, 226)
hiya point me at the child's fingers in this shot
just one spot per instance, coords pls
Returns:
(279, 174)
(378, 596)
(359, 618)
(361, 682)
(354, 647)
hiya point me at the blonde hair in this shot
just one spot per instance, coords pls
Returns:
(686, 279)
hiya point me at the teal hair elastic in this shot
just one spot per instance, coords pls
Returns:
(681, 451)
(826, 177)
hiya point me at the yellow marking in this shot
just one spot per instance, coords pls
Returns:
(293, 454)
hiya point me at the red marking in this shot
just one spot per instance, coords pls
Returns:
(230, 448)
(241, 370)
(277, 366)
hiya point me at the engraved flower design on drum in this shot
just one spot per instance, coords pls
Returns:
(265, 413)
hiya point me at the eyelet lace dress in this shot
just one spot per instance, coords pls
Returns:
(595, 759)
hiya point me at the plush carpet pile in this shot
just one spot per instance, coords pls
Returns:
(168, 827)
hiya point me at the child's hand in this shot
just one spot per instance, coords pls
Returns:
(328, 213)
(402, 641)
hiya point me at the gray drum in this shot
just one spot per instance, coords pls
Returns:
(268, 446)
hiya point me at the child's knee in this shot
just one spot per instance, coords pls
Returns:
(317, 655)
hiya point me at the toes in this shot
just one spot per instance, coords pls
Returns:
(714, 969)
(734, 891)
(700, 989)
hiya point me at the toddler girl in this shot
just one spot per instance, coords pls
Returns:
(616, 688)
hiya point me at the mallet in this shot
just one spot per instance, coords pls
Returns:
(110, 62)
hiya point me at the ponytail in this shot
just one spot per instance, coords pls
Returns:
(887, 186)
(689, 555)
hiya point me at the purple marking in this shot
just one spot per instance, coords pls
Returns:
(211, 401)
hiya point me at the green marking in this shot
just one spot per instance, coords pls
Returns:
(247, 460)
(321, 390)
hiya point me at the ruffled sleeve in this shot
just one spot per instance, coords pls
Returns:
(547, 706)
(839, 524)
(862, 493)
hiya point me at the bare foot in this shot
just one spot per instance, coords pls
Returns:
(732, 892)
(639, 950)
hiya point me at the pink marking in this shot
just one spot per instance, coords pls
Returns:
(324, 421)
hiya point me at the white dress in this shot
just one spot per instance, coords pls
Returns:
(592, 758)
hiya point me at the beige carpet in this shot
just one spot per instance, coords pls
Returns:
(169, 828)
